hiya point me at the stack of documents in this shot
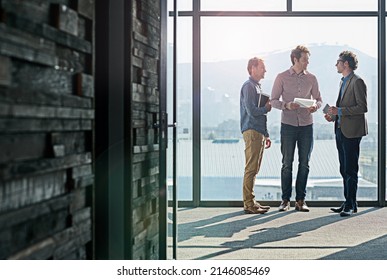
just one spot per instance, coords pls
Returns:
(304, 103)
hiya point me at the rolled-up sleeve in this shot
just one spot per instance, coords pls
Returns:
(276, 93)
(316, 93)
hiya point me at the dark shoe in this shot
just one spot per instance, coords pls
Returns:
(338, 209)
(301, 206)
(285, 205)
(341, 208)
(346, 212)
(255, 210)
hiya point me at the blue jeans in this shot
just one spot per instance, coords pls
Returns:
(349, 151)
(302, 136)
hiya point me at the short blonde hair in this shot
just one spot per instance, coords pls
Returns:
(253, 62)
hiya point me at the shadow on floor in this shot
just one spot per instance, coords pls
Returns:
(215, 227)
(375, 249)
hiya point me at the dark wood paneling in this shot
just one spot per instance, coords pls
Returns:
(5, 71)
(48, 32)
(44, 112)
(27, 191)
(38, 125)
(64, 18)
(46, 129)
(85, 8)
(18, 44)
(19, 147)
(14, 170)
(84, 85)
(23, 95)
(145, 97)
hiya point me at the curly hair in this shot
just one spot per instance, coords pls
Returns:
(350, 57)
(297, 52)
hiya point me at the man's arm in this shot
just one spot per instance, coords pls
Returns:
(316, 94)
(360, 95)
(249, 101)
(276, 93)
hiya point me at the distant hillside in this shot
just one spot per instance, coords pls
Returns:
(221, 82)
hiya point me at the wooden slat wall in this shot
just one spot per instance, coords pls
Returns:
(46, 129)
(145, 112)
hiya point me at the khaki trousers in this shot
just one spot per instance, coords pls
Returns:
(254, 147)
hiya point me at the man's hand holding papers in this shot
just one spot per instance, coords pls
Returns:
(309, 104)
(304, 103)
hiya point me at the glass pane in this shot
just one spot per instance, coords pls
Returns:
(243, 5)
(334, 5)
(182, 5)
(184, 107)
(224, 61)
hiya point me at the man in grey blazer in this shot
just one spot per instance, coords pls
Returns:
(350, 127)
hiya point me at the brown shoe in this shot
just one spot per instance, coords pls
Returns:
(285, 205)
(257, 204)
(301, 206)
(255, 210)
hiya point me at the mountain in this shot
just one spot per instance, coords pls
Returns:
(221, 82)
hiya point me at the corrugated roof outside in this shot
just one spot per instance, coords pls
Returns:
(227, 160)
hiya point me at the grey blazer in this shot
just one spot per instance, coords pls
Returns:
(353, 104)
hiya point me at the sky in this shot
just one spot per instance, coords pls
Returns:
(228, 38)
(235, 38)
(276, 5)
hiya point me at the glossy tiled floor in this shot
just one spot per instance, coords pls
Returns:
(228, 233)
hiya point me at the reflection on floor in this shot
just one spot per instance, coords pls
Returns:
(228, 233)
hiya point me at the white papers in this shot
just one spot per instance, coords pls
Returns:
(304, 103)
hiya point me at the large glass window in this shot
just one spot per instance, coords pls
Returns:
(226, 45)
(184, 107)
(334, 5)
(223, 68)
(182, 5)
(243, 5)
